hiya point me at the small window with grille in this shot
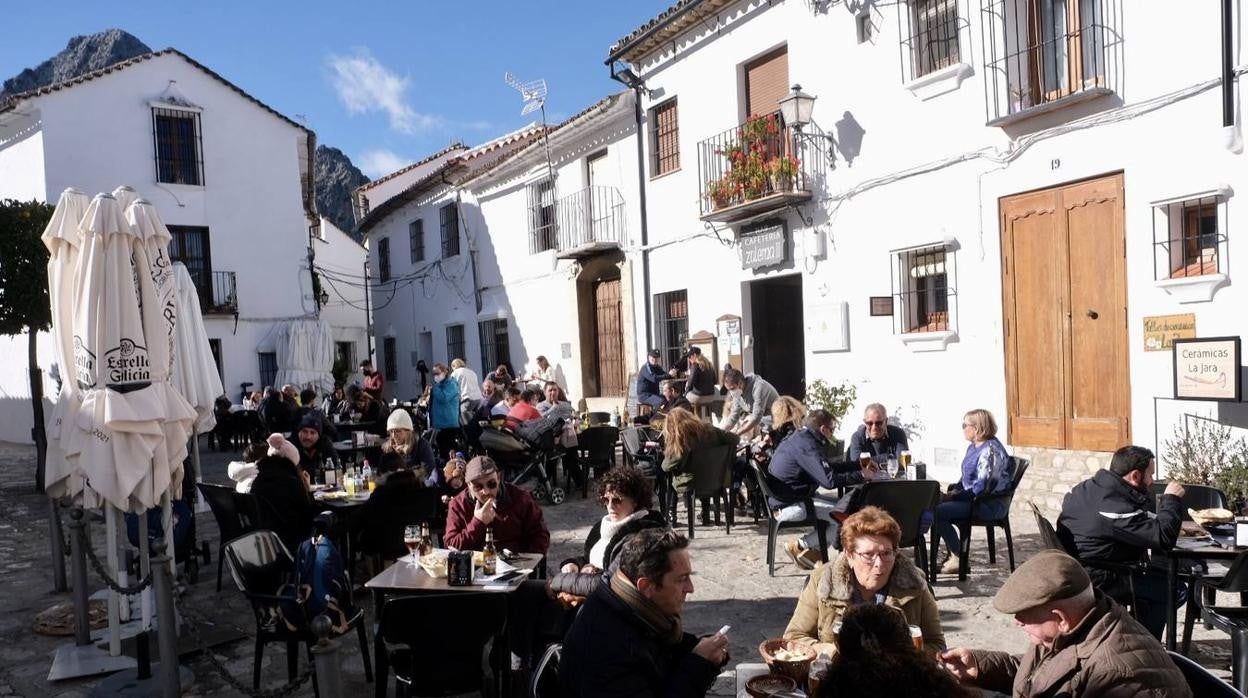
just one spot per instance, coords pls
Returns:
(454, 342)
(1189, 235)
(383, 259)
(416, 240)
(671, 319)
(543, 229)
(448, 217)
(664, 139)
(390, 356)
(268, 368)
(929, 36)
(179, 147)
(495, 347)
(923, 289)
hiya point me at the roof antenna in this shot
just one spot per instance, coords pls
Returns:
(534, 95)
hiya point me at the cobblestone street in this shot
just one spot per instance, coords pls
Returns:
(732, 586)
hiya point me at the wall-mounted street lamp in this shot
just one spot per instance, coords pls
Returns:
(796, 108)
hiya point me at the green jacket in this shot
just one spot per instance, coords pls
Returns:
(676, 466)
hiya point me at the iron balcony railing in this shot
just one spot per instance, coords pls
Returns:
(755, 160)
(1043, 52)
(593, 216)
(218, 292)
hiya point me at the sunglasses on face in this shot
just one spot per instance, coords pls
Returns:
(965, 425)
(873, 422)
(612, 499)
(487, 486)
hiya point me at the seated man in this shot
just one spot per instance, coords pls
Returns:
(488, 502)
(628, 641)
(372, 411)
(315, 449)
(648, 377)
(510, 397)
(752, 398)
(798, 469)
(554, 397)
(673, 398)
(1083, 644)
(309, 406)
(877, 437)
(1110, 517)
(275, 412)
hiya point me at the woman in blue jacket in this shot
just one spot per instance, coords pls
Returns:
(444, 409)
(986, 469)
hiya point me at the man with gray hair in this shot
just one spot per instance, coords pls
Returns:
(877, 437)
(1083, 644)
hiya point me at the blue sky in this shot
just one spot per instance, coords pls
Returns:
(385, 82)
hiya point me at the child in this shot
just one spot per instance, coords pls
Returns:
(244, 471)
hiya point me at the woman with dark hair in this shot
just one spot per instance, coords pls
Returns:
(628, 498)
(683, 433)
(283, 493)
(878, 658)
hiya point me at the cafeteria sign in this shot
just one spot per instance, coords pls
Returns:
(1161, 330)
(1207, 369)
(764, 246)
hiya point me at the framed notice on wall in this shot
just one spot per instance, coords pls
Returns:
(1207, 368)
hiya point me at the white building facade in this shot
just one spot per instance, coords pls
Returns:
(230, 177)
(981, 212)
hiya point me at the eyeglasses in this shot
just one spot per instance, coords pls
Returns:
(487, 486)
(965, 425)
(873, 423)
(879, 556)
(612, 499)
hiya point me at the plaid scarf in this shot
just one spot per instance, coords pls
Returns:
(666, 628)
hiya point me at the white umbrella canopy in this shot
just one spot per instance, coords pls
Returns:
(305, 354)
(62, 239)
(125, 195)
(194, 370)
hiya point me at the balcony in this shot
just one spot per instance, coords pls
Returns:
(218, 293)
(1044, 55)
(580, 224)
(753, 169)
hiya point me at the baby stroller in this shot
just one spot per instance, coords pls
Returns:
(524, 458)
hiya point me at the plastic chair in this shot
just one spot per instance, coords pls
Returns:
(260, 565)
(597, 447)
(711, 471)
(235, 514)
(1195, 497)
(435, 643)
(906, 501)
(598, 418)
(1232, 620)
(545, 680)
(774, 525)
(1052, 541)
(989, 523)
(1201, 681)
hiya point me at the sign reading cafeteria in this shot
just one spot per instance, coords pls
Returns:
(764, 246)
(1207, 368)
(1161, 330)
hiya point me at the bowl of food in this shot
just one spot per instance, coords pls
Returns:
(768, 685)
(434, 563)
(787, 658)
(1205, 517)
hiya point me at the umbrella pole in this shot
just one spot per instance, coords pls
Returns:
(114, 614)
(145, 568)
(55, 538)
(166, 521)
(200, 505)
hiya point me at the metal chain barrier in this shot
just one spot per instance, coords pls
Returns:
(109, 581)
(188, 621)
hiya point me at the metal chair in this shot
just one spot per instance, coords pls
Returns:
(235, 513)
(989, 523)
(906, 501)
(435, 643)
(711, 471)
(597, 447)
(260, 565)
(774, 525)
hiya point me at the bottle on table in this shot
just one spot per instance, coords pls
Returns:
(904, 459)
(366, 475)
(489, 557)
(331, 473)
(819, 670)
(615, 417)
(425, 542)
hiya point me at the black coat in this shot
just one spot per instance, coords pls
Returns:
(609, 653)
(285, 507)
(584, 584)
(700, 381)
(277, 414)
(400, 500)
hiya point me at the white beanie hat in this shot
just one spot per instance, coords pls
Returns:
(279, 446)
(399, 419)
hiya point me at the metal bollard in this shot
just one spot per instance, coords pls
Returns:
(54, 544)
(166, 627)
(328, 659)
(78, 565)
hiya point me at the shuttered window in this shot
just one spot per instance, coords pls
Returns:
(766, 81)
(664, 141)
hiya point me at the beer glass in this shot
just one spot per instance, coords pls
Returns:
(916, 636)
(411, 538)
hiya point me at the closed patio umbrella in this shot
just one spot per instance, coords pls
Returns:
(194, 370)
(305, 354)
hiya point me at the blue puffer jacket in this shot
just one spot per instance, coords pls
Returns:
(444, 404)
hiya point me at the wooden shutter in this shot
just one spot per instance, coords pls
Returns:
(766, 81)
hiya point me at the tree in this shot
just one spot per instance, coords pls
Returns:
(24, 303)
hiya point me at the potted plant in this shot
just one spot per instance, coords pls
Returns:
(720, 192)
(782, 172)
(837, 400)
(1206, 454)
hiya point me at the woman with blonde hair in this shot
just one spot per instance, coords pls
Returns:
(986, 469)
(787, 416)
(684, 433)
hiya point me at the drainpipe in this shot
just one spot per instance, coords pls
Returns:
(636, 85)
(1228, 70)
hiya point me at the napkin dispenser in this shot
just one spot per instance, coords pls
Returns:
(1241, 531)
(459, 568)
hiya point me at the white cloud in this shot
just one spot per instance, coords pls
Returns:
(365, 85)
(378, 163)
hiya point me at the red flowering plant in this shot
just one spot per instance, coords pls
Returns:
(757, 164)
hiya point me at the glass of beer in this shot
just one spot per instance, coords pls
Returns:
(904, 459)
(916, 636)
(411, 538)
(864, 459)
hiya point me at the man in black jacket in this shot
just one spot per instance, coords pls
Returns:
(628, 641)
(1110, 517)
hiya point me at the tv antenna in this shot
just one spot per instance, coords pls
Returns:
(534, 94)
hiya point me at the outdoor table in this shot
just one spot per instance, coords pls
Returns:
(345, 511)
(1189, 549)
(349, 451)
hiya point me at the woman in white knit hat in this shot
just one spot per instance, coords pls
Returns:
(404, 448)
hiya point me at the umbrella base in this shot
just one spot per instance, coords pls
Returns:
(127, 684)
(74, 661)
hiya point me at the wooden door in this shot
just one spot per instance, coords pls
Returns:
(609, 335)
(1064, 292)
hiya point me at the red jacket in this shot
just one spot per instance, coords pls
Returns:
(374, 384)
(518, 524)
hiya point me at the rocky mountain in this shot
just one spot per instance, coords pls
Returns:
(83, 55)
(336, 177)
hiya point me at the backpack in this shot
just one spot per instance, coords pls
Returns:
(321, 585)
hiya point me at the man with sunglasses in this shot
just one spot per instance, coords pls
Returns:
(488, 502)
(876, 437)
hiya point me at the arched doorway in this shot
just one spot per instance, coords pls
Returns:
(600, 312)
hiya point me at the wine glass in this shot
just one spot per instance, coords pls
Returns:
(892, 468)
(411, 538)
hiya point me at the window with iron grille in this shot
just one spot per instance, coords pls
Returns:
(671, 317)
(390, 356)
(495, 348)
(214, 346)
(268, 368)
(344, 354)
(416, 239)
(922, 289)
(454, 342)
(448, 215)
(929, 30)
(189, 245)
(383, 259)
(543, 230)
(664, 141)
(1189, 235)
(179, 159)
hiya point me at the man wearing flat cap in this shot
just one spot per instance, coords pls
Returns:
(1083, 644)
(489, 502)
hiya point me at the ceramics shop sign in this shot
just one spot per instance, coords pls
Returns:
(1160, 331)
(1207, 369)
(764, 246)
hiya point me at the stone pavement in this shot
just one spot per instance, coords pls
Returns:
(731, 586)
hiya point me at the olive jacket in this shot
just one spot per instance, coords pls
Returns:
(827, 596)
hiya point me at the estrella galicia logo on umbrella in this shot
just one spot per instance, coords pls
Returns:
(84, 365)
(127, 363)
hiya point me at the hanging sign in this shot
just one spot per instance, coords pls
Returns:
(1161, 330)
(1207, 369)
(764, 246)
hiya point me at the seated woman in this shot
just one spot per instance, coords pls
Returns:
(877, 657)
(986, 469)
(524, 410)
(413, 451)
(787, 415)
(244, 471)
(868, 570)
(701, 379)
(502, 376)
(283, 493)
(400, 493)
(683, 433)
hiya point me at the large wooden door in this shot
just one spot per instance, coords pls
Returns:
(609, 335)
(1064, 288)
